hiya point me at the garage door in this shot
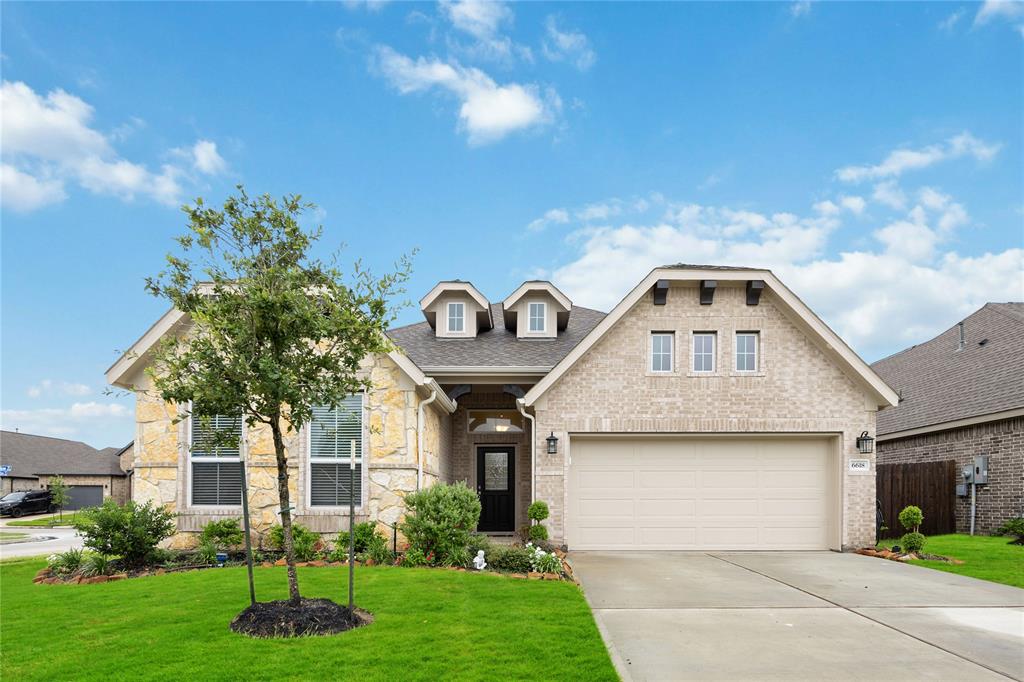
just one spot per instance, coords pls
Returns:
(715, 493)
(84, 496)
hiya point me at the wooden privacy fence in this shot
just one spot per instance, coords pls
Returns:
(929, 485)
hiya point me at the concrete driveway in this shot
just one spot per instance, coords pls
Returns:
(41, 540)
(799, 616)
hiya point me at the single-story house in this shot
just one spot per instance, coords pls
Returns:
(710, 409)
(92, 475)
(961, 397)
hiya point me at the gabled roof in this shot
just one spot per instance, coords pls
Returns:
(563, 306)
(30, 455)
(133, 360)
(493, 348)
(484, 318)
(940, 383)
(810, 323)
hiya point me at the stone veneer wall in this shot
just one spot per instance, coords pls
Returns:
(797, 389)
(389, 472)
(464, 444)
(1003, 441)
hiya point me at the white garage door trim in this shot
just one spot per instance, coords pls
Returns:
(704, 492)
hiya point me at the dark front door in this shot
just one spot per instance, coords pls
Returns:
(495, 481)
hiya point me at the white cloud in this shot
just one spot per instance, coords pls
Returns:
(568, 45)
(890, 194)
(599, 211)
(483, 20)
(368, 5)
(999, 9)
(556, 216)
(51, 387)
(23, 192)
(952, 20)
(48, 141)
(488, 111)
(800, 8)
(902, 286)
(79, 418)
(206, 159)
(853, 204)
(900, 161)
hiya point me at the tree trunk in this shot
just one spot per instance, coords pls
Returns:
(286, 514)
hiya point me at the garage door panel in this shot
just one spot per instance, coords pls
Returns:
(692, 494)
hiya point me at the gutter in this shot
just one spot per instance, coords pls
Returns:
(521, 404)
(419, 434)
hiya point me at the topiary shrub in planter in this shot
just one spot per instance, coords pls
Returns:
(912, 542)
(130, 531)
(538, 533)
(537, 512)
(306, 543)
(911, 518)
(440, 521)
(1013, 528)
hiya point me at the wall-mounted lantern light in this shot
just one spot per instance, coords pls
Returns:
(552, 444)
(865, 443)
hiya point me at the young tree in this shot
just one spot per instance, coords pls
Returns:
(59, 494)
(276, 331)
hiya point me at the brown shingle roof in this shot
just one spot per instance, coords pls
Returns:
(497, 347)
(938, 383)
(30, 455)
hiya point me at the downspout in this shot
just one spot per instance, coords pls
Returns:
(419, 437)
(521, 404)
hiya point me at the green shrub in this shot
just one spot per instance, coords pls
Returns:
(223, 535)
(206, 554)
(912, 542)
(911, 518)
(414, 557)
(538, 511)
(478, 541)
(380, 554)
(97, 564)
(538, 533)
(65, 562)
(544, 562)
(306, 543)
(366, 535)
(1013, 528)
(130, 531)
(511, 559)
(440, 520)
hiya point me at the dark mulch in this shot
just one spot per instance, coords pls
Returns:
(310, 617)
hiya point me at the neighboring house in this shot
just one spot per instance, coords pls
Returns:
(961, 396)
(710, 409)
(92, 475)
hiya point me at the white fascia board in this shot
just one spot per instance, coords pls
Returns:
(884, 395)
(464, 287)
(948, 426)
(546, 287)
(496, 370)
(131, 358)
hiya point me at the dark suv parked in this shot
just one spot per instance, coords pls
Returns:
(27, 502)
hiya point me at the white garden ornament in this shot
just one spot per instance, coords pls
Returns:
(478, 561)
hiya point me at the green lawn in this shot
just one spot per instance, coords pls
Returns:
(46, 521)
(985, 557)
(430, 624)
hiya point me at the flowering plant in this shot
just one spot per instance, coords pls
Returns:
(543, 562)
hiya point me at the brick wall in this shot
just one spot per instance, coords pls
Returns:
(797, 390)
(1002, 441)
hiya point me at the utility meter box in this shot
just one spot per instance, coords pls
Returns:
(968, 474)
(981, 470)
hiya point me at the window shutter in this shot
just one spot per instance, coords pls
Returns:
(217, 483)
(332, 432)
(204, 436)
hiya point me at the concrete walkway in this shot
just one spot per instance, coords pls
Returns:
(799, 616)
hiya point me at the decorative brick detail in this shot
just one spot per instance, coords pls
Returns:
(1003, 441)
(798, 389)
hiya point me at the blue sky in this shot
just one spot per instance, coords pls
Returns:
(871, 154)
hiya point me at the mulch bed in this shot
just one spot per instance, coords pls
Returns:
(308, 618)
(883, 553)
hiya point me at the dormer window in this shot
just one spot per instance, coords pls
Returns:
(538, 317)
(456, 317)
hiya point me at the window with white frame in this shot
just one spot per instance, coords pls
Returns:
(704, 351)
(215, 460)
(335, 441)
(746, 351)
(538, 316)
(456, 317)
(662, 344)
